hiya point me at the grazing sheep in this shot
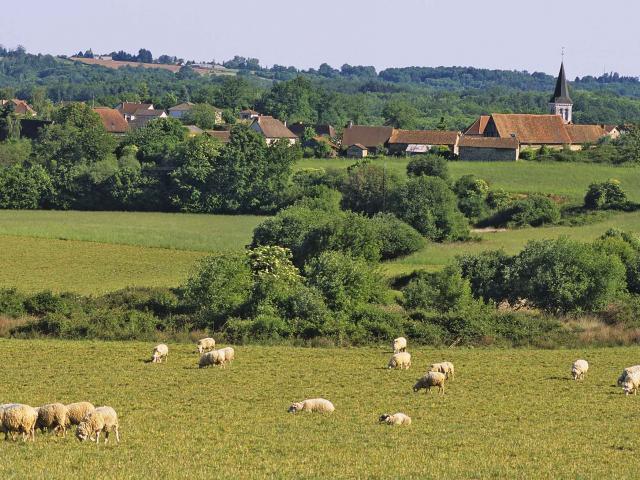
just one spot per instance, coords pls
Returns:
(400, 345)
(431, 379)
(319, 405)
(229, 354)
(216, 357)
(160, 352)
(443, 367)
(395, 419)
(19, 419)
(3, 407)
(400, 360)
(77, 411)
(626, 372)
(102, 419)
(579, 368)
(631, 383)
(206, 345)
(53, 416)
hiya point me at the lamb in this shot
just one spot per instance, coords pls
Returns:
(395, 419)
(626, 372)
(400, 360)
(400, 345)
(77, 411)
(443, 367)
(431, 379)
(19, 418)
(160, 352)
(631, 383)
(102, 419)
(206, 345)
(319, 405)
(216, 357)
(579, 368)
(53, 417)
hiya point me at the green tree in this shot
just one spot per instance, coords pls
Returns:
(156, 140)
(399, 114)
(431, 165)
(367, 188)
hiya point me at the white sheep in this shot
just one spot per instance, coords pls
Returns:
(443, 367)
(626, 372)
(102, 419)
(19, 418)
(319, 405)
(400, 345)
(206, 345)
(77, 411)
(53, 417)
(431, 379)
(229, 354)
(579, 368)
(216, 357)
(395, 419)
(160, 352)
(631, 383)
(400, 360)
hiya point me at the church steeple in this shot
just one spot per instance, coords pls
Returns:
(561, 103)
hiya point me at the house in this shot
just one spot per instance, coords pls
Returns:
(248, 115)
(476, 147)
(180, 110)
(193, 130)
(533, 131)
(222, 135)
(128, 109)
(411, 142)
(112, 120)
(20, 107)
(477, 127)
(143, 116)
(372, 138)
(321, 130)
(585, 134)
(273, 129)
(357, 150)
(612, 131)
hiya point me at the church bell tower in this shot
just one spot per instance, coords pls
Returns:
(561, 104)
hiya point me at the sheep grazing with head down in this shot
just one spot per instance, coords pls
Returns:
(216, 357)
(578, 369)
(443, 367)
(626, 372)
(160, 352)
(319, 405)
(77, 411)
(19, 418)
(400, 345)
(431, 379)
(53, 417)
(400, 360)
(102, 419)
(395, 419)
(206, 345)
(631, 383)
(229, 354)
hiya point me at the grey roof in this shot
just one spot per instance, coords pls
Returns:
(561, 94)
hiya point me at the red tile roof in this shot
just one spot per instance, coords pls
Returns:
(20, 106)
(370, 137)
(424, 137)
(223, 135)
(477, 141)
(129, 108)
(531, 129)
(580, 134)
(273, 128)
(182, 107)
(477, 128)
(112, 120)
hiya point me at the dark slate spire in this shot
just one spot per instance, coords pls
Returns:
(561, 94)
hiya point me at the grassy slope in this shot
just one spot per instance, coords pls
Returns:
(566, 179)
(508, 414)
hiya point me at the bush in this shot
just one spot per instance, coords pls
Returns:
(371, 323)
(429, 165)
(429, 206)
(534, 211)
(488, 274)
(442, 291)
(11, 303)
(605, 196)
(398, 239)
(367, 188)
(158, 300)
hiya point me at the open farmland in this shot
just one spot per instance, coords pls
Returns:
(508, 414)
(569, 180)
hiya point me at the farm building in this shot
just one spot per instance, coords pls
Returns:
(128, 109)
(112, 120)
(143, 116)
(474, 147)
(411, 142)
(273, 129)
(581, 134)
(372, 138)
(20, 107)
(357, 150)
(248, 114)
(180, 110)
(323, 130)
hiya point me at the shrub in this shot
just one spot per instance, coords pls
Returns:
(371, 323)
(488, 274)
(626, 247)
(367, 188)
(397, 238)
(605, 196)
(158, 300)
(11, 303)
(442, 291)
(429, 165)
(498, 199)
(535, 211)
(429, 206)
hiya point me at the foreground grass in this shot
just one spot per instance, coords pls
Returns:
(508, 414)
(569, 180)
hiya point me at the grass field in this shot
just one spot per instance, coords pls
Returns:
(566, 179)
(508, 414)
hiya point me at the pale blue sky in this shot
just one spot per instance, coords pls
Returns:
(506, 34)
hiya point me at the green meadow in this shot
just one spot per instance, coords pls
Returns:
(507, 414)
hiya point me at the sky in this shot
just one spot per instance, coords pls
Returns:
(503, 34)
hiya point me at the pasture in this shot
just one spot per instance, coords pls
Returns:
(508, 414)
(568, 180)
